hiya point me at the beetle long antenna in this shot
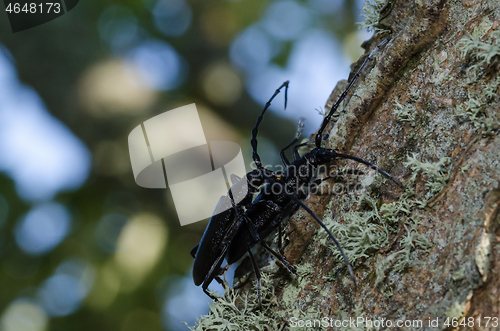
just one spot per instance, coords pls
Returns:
(371, 165)
(316, 218)
(344, 94)
(255, 130)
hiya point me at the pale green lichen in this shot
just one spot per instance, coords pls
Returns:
(459, 274)
(414, 93)
(305, 269)
(344, 314)
(491, 89)
(368, 228)
(371, 13)
(400, 260)
(483, 53)
(235, 311)
(393, 212)
(360, 232)
(437, 176)
(404, 113)
(290, 294)
(477, 111)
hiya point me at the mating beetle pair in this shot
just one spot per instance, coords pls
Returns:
(241, 219)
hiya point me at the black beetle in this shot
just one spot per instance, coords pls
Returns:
(235, 227)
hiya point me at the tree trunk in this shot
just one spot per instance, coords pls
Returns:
(427, 111)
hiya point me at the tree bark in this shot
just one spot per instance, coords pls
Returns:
(427, 111)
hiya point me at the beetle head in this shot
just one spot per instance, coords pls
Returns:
(320, 156)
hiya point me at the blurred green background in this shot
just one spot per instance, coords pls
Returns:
(82, 247)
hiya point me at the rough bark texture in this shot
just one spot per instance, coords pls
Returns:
(427, 111)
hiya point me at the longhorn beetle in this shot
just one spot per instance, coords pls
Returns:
(241, 220)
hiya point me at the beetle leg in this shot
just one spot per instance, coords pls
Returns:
(280, 242)
(280, 257)
(217, 278)
(257, 238)
(214, 272)
(209, 294)
(251, 227)
(295, 151)
(316, 218)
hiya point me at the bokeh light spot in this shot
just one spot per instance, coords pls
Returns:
(172, 17)
(286, 20)
(43, 228)
(222, 84)
(106, 287)
(180, 294)
(113, 88)
(252, 48)
(140, 246)
(23, 315)
(118, 27)
(159, 65)
(80, 269)
(327, 6)
(29, 132)
(63, 293)
(219, 25)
